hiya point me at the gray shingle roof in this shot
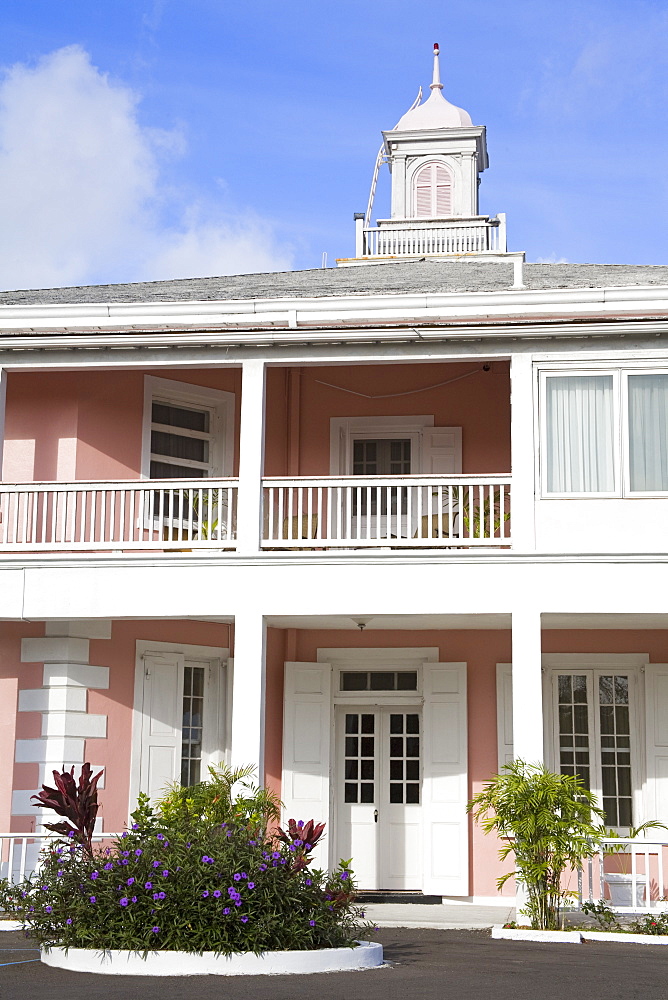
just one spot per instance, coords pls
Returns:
(388, 278)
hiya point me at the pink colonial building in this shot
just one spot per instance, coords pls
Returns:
(374, 529)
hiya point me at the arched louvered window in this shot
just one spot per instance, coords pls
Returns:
(433, 191)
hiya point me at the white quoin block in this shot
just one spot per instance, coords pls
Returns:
(38, 751)
(54, 650)
(22, 806)
(66, 724)
(75, 675)
(55, 699)
(46, 769)
(93, 629)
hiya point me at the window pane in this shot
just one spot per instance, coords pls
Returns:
(175, 446)
(354, 680)
(580, 435)
(407, 680)
(382, 680)
(166, 470)
(648, 432)
(180, 416)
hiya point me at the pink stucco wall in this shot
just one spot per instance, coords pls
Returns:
(298, 440)
(85, 425)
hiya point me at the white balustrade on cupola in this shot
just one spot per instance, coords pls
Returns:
(435, 155)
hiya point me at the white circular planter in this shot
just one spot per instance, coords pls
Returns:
(368, 955)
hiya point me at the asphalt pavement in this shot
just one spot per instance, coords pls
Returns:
(421, 963)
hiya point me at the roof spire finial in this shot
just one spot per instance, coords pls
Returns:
(436, 82)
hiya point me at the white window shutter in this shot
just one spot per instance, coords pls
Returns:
(162, 715)
(656, 724)
(443, 192)
(445, 780)
(442, 451)
(504, 713)
(307, 725)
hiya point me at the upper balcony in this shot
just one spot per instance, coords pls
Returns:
(431, 237)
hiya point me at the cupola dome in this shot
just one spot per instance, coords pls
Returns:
(436, 112)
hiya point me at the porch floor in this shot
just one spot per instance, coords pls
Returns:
(447, 916)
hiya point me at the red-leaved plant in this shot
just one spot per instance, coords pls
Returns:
(76, 802)
(301, 838)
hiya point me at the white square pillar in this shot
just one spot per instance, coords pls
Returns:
(251, 457)
(248, 691)
(522, 492)
(3, 400)
(528, 734)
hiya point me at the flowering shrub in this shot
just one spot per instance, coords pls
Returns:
(191, 886)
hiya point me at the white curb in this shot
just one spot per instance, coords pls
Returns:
(624, 938)
(548, 937)
(368, 955)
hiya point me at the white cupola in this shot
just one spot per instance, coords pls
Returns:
(435, 155)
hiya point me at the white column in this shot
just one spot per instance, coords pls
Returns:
(359, 234)
(251, 457)
(528, 736)
(522, 494)
(248, 691)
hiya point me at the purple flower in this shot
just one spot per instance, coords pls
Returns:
(307, 847)
(205, 894)
(263, 868)
(135, 826)
(252, 843)
(48, 909)
(156, 864)
(292, 847)
(45, 888)
(148, 885)
(156, 895)
(244, 920)
(59, 874)
(300, 823)
(160, 837)
(251, 885)
(217, 893)
(226, 910)
(134, 899)
(69, 920)
(237, 902)
(308, 881)
(124, 834)
(108, 867)
(236, 877)
(124, 901)
(189, 846)
(264, 854)
(312, 923)
(155, 930)
(161, 895)
(345, 875)
(138, 852)
(93, 899)
(130, 881)
(275, 854)
(125, 861)
(165, 873)
(298, 843)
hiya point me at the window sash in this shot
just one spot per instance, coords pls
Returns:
(183, 467)
(594, 746)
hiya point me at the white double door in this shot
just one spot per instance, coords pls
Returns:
(378, 794)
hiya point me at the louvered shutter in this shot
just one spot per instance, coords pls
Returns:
(504, 713)
(443, 187)
(307, 727)
(162, 714)
(433, 191)
(656, 724)
(445, 783)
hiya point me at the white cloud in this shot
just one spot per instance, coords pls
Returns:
(82, 198)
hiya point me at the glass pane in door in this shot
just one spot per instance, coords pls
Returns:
(404, 758)
(359, 757)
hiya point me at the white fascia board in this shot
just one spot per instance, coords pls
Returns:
(334, 310)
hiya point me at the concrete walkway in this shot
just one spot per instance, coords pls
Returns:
(446, 916)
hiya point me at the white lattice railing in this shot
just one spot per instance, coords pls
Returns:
(631, 879)
(131, 514)
(464, 236)
(20, 852)
(389, 511)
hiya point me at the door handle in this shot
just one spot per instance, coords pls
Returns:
(375, 815)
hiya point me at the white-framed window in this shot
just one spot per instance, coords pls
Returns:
(392, 446)
(604, 432)
(181, 714)
(188, 430)
(432, 191)
(594, 713)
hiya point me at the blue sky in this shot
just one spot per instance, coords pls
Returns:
(146, 139)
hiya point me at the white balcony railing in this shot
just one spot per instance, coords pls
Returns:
(20, 852)
(147, 514)
(628, 874)
(480, 235)
(388, 511)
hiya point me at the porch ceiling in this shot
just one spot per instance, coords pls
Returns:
(418, 623)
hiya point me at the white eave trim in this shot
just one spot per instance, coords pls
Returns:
(290, 314)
